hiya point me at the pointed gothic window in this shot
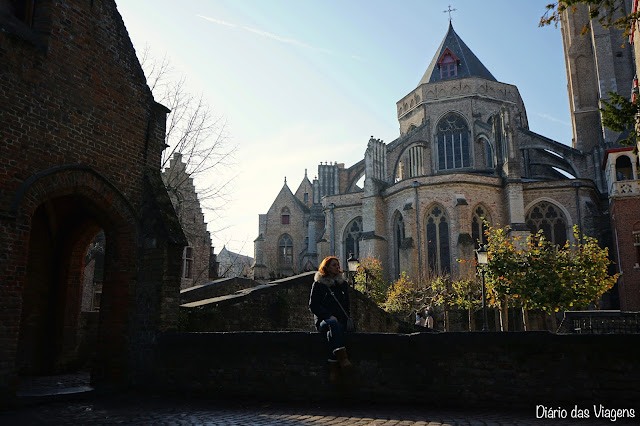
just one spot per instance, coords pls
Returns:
(488, 152)
(453, 143)
(478, 226)
(352, 237)
(438, 250)
(550, 219)
(285, 250)
(398, 228)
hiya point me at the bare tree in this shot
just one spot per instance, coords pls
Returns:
(196, 134)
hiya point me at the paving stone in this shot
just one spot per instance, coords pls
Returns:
(135, 409)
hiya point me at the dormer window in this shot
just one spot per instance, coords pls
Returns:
(448, 64)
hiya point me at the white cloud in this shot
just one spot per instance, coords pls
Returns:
(217, 21)
(554, 119)
(276, 37)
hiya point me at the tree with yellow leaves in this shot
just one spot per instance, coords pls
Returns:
(545, 276)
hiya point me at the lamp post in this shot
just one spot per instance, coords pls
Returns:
(482, 261)
(352, 267)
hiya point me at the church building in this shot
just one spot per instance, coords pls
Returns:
(464, 155)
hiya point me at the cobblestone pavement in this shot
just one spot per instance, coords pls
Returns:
(135, 409)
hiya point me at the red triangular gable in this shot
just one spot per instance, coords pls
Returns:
(447, 51)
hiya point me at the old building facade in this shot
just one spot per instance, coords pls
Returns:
(231, 264)
(81, 139)
(465, 154)
(199, 264)
(281, 248)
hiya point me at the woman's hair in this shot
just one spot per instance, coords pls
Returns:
(323, 265)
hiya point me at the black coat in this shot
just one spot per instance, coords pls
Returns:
(323, 305)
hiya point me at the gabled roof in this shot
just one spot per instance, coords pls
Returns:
(286, 193)
(469, 65)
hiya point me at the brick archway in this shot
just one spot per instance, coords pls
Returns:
(57, 213)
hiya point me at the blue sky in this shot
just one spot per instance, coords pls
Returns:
(302, 82)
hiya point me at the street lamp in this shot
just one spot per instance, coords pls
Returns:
(352, 267)
(482, 261)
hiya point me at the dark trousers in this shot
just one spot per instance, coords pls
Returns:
(334, 332)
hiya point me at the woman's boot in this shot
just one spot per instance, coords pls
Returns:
(343, 358)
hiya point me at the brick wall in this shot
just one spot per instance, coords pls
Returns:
(503, 370)
(82, 139)
(625, 220)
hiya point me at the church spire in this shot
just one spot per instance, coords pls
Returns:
(454, 60)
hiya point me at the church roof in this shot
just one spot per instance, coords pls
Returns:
(468, 63)
(285, 192)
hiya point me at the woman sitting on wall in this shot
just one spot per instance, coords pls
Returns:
(329, 302)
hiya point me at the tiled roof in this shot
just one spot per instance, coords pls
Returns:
(469, 65)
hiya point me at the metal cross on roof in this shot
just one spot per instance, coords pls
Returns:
(449, 11)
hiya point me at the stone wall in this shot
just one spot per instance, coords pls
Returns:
(504, 370)
(281, 305)
(215, 288)
(272, 230)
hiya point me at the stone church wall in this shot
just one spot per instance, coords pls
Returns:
(275, 229)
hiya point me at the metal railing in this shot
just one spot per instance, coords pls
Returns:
(600, 322)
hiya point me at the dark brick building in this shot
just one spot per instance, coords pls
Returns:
(80, 144)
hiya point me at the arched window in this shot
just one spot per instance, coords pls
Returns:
(550, 219)
(285, 250)
(489, 154)
(478, 226)
(453, 143)
(352, 237)
(624, 170)
(438, 250)
(398, 236)
(285, 216)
